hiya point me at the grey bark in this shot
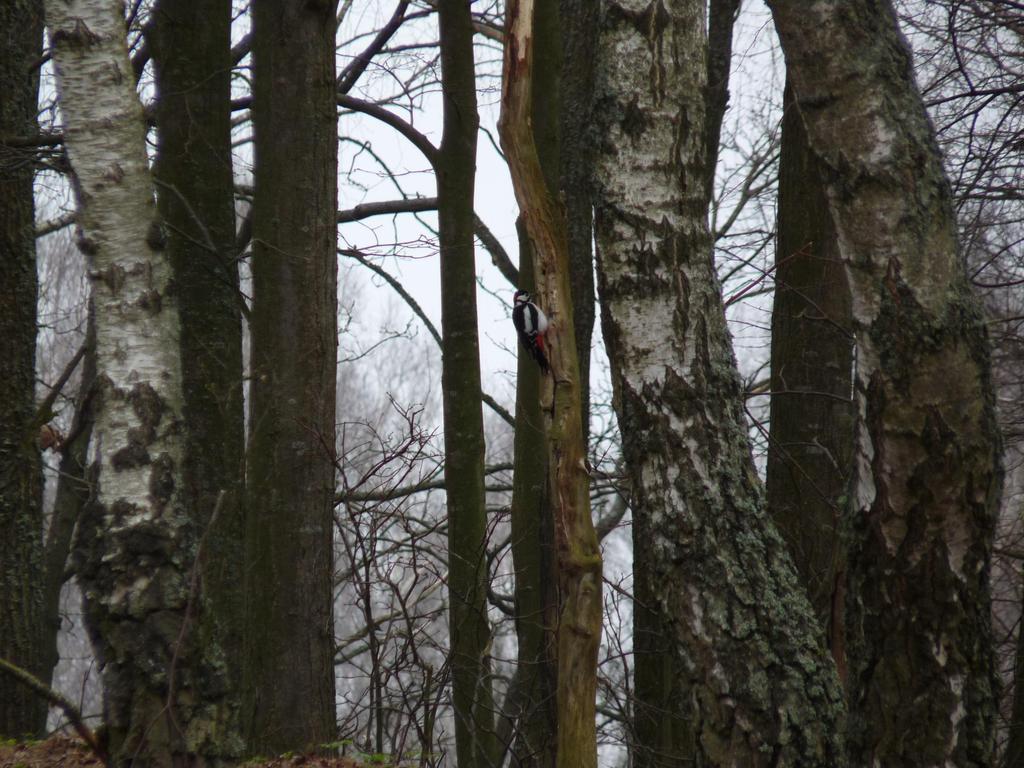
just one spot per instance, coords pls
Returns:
(728, 668)
(289, 671)
(927, 472)
(22, 620)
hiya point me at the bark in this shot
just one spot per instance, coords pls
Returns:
(536, 739)
(464, 447)
(22, 620)
(811, 450)
(136, 547)
(571, 58)
(721, 20)
(927, 469)
(191, 47)
(577, 555)
(289, 674)
(532, 557)
(728, 671)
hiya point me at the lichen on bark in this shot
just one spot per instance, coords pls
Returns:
(721, 609)
(927, 471)
(136, 546)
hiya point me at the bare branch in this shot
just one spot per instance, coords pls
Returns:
(70, 710)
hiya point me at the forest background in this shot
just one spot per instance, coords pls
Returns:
(362, 546)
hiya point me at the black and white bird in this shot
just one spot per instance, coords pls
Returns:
(531, 324)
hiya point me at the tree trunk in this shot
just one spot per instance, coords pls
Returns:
(728, 671)
(464, 448)
(721, 20)
(22, 621)
(191, 45)
(577, 554)
(136, 546)
(532, 556)
(572, 60)
(927, 469)
(562, 95)
(811, 449)
(289, 688)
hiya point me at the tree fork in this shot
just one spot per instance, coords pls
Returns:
(577, 555)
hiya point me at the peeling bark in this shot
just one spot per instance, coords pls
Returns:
(728, 668)
(576, 551)
(136, 545)
(927, 472)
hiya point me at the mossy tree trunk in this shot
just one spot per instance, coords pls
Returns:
(22, 621)
(927, 472)
(577, 557)
(811, 450)
(136, 546)
(191, 45)
(729, 671)
(289, 669)
(464, 447)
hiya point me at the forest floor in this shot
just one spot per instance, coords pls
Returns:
(65, 752)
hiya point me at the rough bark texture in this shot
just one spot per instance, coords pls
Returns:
(22, 622)
(191, 45)
(136, 545)
(289, 686)
(460, 377)
(811, 451)
(927, 468)
(728, 670)
(577, 555)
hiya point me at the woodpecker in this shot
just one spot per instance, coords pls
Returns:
(531, 324)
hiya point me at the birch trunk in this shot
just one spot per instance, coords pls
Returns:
(136, 545)
(728, 669)
(927, 474)
(22, 619)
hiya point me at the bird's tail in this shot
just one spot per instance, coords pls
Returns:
(536, 348)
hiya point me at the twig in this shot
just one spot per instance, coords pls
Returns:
(70, 710)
